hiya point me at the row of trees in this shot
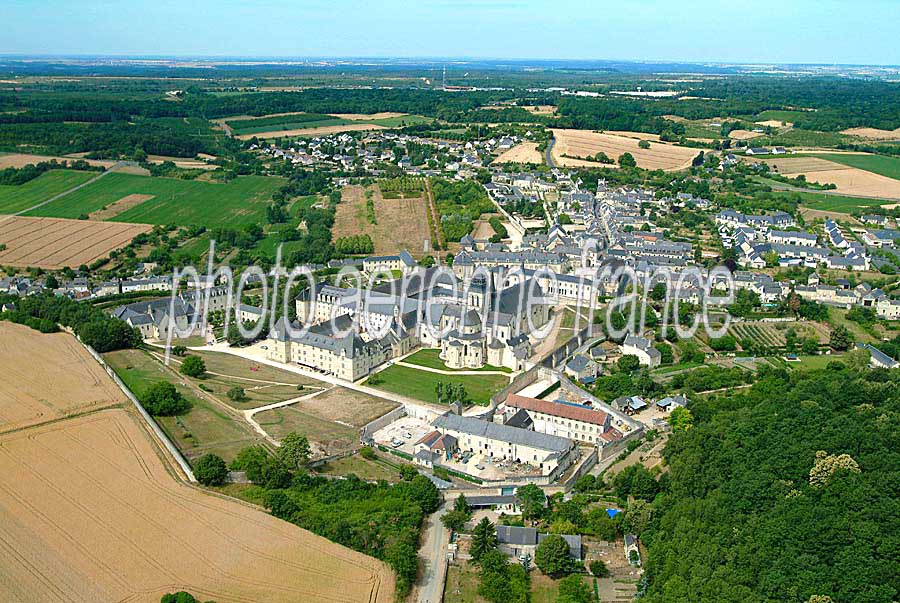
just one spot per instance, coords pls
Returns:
(95, 327)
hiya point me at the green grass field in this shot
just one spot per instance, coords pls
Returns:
(878, 164)
(16, 198)
(838, 203)
(431, 358)
(408, 381)
(241, 201)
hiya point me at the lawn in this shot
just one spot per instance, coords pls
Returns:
(430, 358)
(16, 198)
(327, 437)
(408, 381)
(810, 363)
(236, 203)
(205, 428)
(462, 584)
(261, 386)
(361, 468)
(879, 164)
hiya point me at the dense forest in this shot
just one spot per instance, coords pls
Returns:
(786, 491)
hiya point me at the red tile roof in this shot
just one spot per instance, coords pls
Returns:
(565, 411)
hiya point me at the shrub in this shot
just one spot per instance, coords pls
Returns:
(193, 366)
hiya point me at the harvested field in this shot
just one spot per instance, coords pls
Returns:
(873, 133)
(188, 164)
(849, 180)
(331, 420)
(48, 377)
(585, 143)
(117, 207)
(540, 109)
(53, 243)
(774, 123)
(323, 130)
(743, 134)
(17, 160)
(399, 223)
(89, 512)
(525, 152)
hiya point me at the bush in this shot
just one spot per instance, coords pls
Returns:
(210, 470)
(598, 568)
(193, 366)
(237, 394)
(368, 453)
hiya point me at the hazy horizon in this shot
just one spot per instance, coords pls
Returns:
(823, 32)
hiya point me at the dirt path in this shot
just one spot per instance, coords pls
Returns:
(248, 414)
(435, 218)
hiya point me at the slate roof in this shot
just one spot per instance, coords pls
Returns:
(503, 433)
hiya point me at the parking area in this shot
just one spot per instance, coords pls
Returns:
(402, 434)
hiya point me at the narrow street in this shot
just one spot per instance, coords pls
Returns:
(433, 555)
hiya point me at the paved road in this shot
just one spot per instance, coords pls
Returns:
(548, 154)
(434, 558)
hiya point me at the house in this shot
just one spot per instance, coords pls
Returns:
(876, 219)
(786, 237)
(877, 358)
(757, 151)
(334, 347)
(582, 369)
(402, 262)
(671, 402)
(643, 349)
(502, 503)
(518, 542)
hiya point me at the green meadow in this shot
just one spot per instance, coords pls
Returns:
(16, 198)
(235, 203)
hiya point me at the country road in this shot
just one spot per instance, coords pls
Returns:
(548, 153)
(433, 554)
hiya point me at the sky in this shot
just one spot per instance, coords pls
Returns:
(734, 31)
